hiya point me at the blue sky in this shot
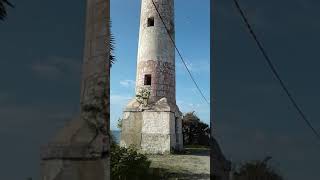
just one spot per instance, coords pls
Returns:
(193, 43)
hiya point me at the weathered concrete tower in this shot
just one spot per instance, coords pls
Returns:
(154, 125)
(156, 53)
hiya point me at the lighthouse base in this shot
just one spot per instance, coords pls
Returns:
(155, 129)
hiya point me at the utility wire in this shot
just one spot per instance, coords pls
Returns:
(274, 71)
(174, 44)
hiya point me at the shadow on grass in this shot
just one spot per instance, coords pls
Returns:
(162, 174)
(197, 151)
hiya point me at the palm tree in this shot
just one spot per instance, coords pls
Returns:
(112, 58)
(257, 170)
(3, 8)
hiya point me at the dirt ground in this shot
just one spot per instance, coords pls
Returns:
(193, 165)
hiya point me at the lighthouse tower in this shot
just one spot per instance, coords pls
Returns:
(153, 123)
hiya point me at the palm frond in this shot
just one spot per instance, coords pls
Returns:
(112, 57)
(3, 8)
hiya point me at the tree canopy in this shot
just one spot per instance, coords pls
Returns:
(194, 131)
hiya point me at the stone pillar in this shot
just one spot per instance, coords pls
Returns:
(80, 151)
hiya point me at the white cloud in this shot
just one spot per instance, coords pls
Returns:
(118, 99)
(45, 69)
(189, 65)
(17, 117)
(53, 67)
(201, 109)
(127, 83)
(194, 105)
(199, 66)
(197, 93)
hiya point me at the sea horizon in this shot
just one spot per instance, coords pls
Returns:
(116, 135)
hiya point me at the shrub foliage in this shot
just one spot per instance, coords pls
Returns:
(256, 170)
(127, 163)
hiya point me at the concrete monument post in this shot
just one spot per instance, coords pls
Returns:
(80, 151)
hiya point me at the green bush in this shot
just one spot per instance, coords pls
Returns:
(127, 163)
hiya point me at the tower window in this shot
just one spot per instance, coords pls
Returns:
(147, 79)
(150, 21)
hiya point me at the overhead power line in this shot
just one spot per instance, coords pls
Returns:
(174, 44)
(274, 71)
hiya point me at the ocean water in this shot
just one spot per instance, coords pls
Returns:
(116, 135)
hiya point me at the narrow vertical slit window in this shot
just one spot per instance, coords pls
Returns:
(150, 21)
(147, 79)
